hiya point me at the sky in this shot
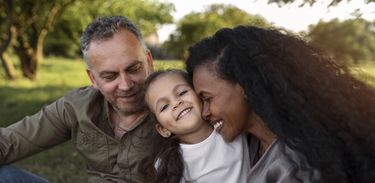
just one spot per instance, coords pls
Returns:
(291, 16)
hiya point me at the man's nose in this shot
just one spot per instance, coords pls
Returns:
(126, 82)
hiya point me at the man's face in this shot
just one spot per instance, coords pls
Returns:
(118, 68)
(224, 104)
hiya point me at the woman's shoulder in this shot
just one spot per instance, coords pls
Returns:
(283, 164)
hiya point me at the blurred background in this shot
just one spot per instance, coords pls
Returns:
(41, 60)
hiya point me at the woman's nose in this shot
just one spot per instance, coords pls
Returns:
(206, 112)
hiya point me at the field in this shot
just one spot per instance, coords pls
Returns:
(56, 76)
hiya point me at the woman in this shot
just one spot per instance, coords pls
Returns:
(309, 119)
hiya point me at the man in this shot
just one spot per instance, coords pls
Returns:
(107, 121)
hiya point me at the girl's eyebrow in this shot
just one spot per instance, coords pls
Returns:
(178, 86)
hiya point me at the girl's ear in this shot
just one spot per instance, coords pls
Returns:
(162, 131)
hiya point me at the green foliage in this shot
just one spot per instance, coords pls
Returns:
(350, 41)
(3, 18)
(24, 97)
(64, 39)
(365, 72)
(194, 26)
(310, 2)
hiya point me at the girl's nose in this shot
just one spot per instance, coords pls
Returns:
(179, 102)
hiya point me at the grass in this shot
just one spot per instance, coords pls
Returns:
(23, 97)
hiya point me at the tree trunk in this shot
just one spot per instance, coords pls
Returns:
(30, 53)
(8, 66)
(29, 65)
(7, 42)
(31, 57)
(28, 59)
(40, 45)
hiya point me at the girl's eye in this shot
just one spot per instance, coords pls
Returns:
(164, 107)
(182, 93)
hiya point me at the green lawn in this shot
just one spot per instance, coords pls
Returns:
(57, 76)
(23, 97)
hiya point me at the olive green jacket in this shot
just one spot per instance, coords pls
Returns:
(81, 116)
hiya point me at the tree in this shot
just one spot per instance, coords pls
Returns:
(196, 25)
(31, 21)
(352, 40)
(64, 39)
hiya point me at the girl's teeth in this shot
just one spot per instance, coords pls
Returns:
(184, 113)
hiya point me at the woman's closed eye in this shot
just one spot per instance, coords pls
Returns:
(205, 98)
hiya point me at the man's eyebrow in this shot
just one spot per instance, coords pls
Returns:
(106, 72)
(136, 62)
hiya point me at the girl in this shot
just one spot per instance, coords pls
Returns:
(191, 150)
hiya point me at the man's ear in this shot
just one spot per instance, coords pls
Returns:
(92, 78)
(150, 60)
(162, 131)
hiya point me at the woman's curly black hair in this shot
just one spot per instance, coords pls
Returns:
(314, 105)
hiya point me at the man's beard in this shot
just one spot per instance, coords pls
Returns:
(127, 108)
(132, 107)
(137, 107)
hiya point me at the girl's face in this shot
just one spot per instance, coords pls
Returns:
(175, 104)
(224, 102)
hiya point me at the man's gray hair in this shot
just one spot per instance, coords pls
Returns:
(104, 28)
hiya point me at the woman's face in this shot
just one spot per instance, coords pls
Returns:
(224, 103)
